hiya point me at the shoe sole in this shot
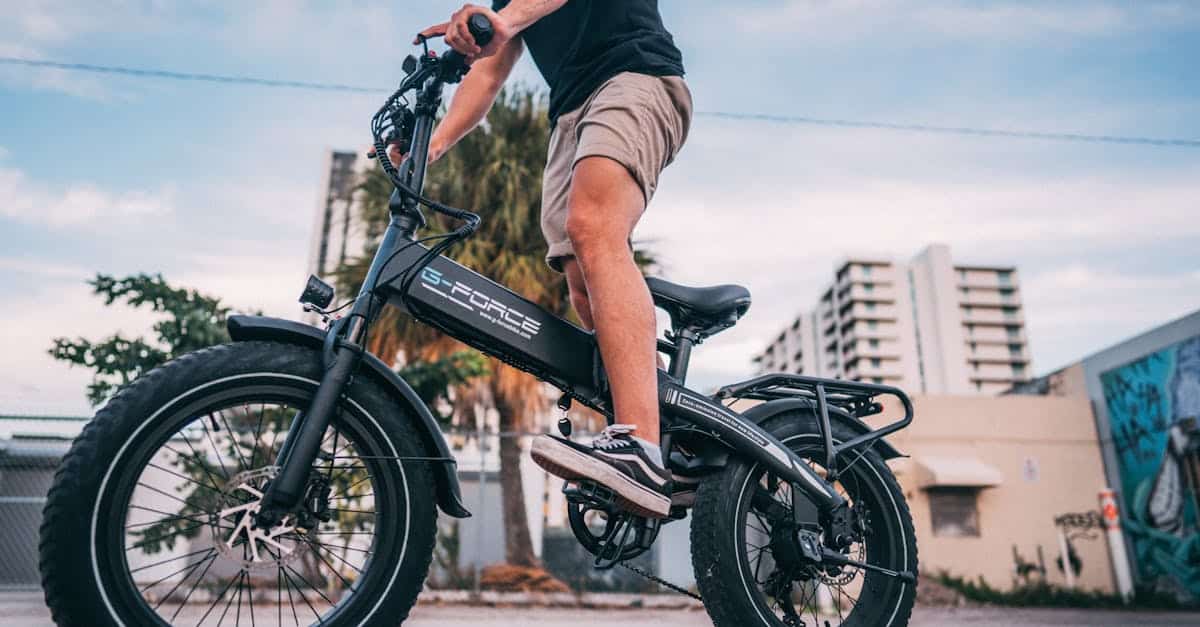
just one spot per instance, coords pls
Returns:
(566, 463)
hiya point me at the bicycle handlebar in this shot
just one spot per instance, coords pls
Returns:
(481, 31)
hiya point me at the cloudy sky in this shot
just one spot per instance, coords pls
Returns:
(214, 185)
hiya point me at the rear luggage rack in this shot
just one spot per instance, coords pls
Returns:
(858, 399)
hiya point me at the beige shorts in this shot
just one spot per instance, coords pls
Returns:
(637, 120)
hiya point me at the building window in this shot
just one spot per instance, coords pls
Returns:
(875, 362)
(1018, 371)
(979, 386)
(973, 346)
(868, 287)
(965, 290)
(1004, 277)
(954, 512)
(970, 329)
(866, 270)
(1010, 312)
(878, 380)
(870, 306)
(1014, 333)
(1014, 350)
(1006, 295)
(967, 309)
(873, 343)
(871, 324)
(975, 366)
(962, 275)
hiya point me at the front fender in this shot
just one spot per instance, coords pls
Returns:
(449, 495)
(761, 412)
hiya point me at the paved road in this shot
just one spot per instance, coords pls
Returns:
(26, 610)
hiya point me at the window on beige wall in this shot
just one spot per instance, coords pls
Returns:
(954, 512)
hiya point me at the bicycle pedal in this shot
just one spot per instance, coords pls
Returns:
(590, 494)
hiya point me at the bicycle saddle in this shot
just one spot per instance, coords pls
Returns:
(706, 309)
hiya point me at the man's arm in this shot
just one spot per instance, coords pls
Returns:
(474, 97)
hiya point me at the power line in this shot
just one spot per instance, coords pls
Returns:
(188, 76)
(760, 117)
(955, 130)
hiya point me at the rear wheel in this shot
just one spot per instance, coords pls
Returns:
(741, 558)
(149, 519)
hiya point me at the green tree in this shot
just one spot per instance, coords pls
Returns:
(497, 170)
(191, 321)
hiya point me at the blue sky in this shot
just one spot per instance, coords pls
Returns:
(215, 185)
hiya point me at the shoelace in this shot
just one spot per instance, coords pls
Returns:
(613, 436)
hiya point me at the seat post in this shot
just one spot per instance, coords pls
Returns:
(684, 340)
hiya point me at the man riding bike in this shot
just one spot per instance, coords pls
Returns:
(620, 111)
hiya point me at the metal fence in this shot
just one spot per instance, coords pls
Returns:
(31, 447)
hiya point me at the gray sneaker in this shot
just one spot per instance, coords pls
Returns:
(615, 460)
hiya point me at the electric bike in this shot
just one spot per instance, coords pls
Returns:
(291, 477)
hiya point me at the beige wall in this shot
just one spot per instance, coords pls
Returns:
(1057, 433)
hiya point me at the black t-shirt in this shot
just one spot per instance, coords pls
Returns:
(586, 42)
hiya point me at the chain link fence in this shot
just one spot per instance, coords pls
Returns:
(31, 448)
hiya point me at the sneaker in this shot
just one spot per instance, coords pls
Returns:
(615, 460)
(683, 490)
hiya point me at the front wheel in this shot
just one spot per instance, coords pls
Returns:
(743, 528)
(150, 518)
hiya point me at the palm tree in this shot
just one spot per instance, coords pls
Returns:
(496, 170)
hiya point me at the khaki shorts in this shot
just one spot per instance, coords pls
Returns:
(637, 120)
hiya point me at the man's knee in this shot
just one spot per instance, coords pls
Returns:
(603, 206)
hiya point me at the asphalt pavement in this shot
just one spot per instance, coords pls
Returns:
(25, 609)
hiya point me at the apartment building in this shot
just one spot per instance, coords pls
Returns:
(337, 233)
(928, 325)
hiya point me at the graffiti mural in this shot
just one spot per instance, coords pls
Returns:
(1154, 411)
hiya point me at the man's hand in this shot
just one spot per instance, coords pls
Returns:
(396, 157)
(460, 39)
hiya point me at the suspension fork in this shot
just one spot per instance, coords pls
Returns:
(342, 354)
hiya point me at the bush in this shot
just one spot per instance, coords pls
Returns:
(1044, 594)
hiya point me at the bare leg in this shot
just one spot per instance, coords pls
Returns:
(579, 292)
(605, 204)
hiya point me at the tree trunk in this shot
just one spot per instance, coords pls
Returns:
(518, 547)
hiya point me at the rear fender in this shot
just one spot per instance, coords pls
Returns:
(449, 494)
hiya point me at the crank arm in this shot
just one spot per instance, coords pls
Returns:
(833, 557)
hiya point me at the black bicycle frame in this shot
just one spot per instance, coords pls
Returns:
(503, 324)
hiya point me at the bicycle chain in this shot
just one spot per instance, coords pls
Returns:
(662, 582)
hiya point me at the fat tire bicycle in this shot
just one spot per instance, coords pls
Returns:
(290, 477)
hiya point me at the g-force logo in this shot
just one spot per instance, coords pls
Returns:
(491, 310)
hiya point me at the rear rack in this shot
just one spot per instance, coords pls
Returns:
(858, 399)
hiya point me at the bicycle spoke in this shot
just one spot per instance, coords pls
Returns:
(339, 558)
(310, 587)
(215, 602)
(183, 603)
(184, 477)
(237, 444)
(257, 434)
(291, 601)
(220, 459)
(332, 569)
(210, 559)
(200, 459)
(189, 566)
(168, 560)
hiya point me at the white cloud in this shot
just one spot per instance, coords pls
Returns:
(78, 204)
(1007, 22)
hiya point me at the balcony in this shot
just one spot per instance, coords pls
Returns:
(991, 316)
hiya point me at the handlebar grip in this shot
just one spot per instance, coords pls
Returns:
(481, 29)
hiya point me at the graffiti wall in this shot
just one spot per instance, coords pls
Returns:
(1154, 412)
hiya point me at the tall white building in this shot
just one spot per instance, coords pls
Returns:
(338, 233)
(928, 326)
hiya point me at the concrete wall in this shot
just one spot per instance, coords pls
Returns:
(1054, 437)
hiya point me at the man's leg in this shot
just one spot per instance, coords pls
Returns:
(579, 293)
(605, 204)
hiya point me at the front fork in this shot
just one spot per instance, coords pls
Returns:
(343, 351)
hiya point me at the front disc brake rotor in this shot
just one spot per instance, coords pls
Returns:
(243, 543)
